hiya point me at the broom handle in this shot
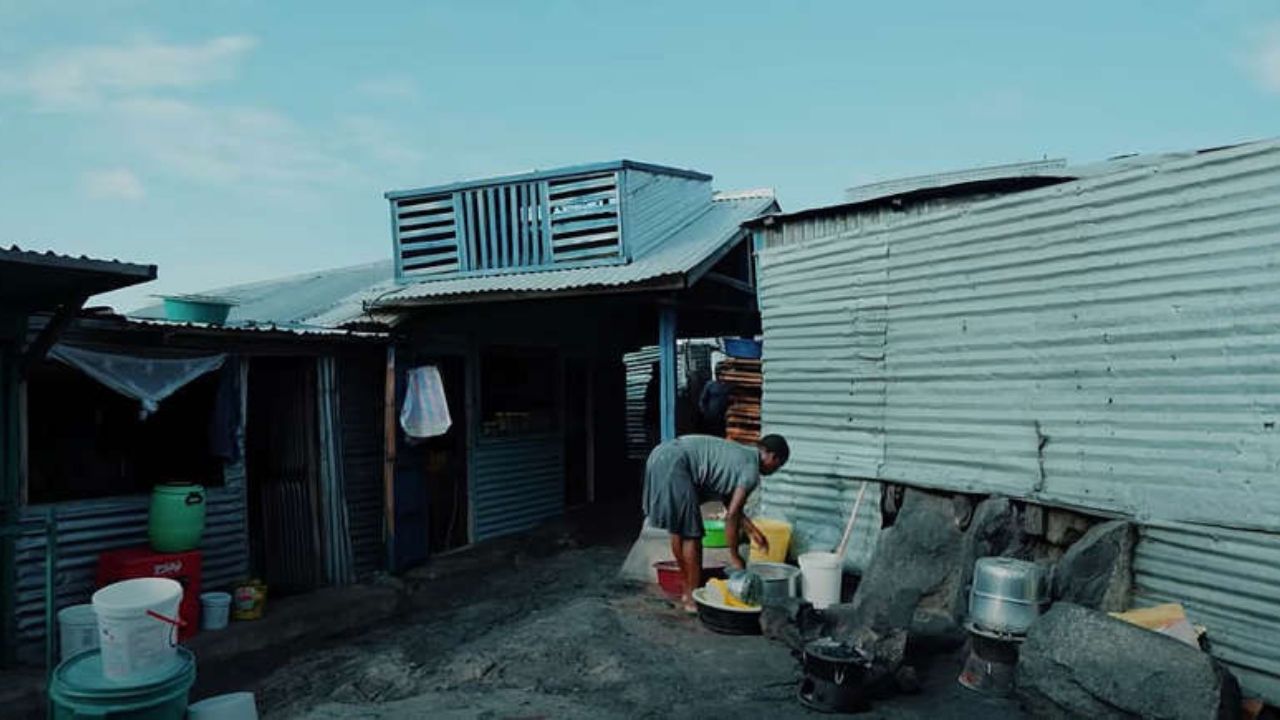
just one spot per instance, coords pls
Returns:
(848, 529)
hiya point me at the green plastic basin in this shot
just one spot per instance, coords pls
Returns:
(714, 537)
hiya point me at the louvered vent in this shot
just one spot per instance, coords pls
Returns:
(428, 235)
(584, 217)
(532, 225)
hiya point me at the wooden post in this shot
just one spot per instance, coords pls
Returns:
(389, 460)
(667, 371)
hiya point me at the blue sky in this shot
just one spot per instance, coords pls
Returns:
(235, 141)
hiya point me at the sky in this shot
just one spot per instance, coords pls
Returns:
(229, 141)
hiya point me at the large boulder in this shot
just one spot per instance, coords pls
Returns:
(1097, 570)
(1081, 663)
(920, 572)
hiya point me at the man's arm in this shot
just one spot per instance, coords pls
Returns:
(735, 521)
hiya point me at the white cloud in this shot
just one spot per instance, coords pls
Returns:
(226, 145)
(81, 77)
(1264, 59)
(391, 87)
(112, 184)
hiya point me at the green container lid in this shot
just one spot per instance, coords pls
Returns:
(79, 689)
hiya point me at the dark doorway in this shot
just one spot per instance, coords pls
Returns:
(577, 432)
(432, 495)
(281, 452)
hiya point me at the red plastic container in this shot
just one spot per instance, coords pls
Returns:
(672, 583)
(143, 562)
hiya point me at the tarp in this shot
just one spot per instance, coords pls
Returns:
(147, 380)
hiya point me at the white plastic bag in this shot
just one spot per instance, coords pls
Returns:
(426, 411)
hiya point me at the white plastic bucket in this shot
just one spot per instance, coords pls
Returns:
(137, 627)
(232, 706)
(77, 630)
(215, 609)
(820, 576)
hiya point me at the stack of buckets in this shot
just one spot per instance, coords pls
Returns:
(139, 671)
(135, 670)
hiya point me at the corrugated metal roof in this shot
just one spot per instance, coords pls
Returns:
(534, 175)
(252, 328)
(900, 186)
(305, 302)
(683, 251)
(35, 281)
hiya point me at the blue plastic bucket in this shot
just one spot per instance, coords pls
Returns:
(744, 348)
(212, 311)
(80, 690)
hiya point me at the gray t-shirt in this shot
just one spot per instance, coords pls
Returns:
(720, 466)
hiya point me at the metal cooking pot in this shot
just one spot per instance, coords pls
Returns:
(1007, 595)
(781, 581)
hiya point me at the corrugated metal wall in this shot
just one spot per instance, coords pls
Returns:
(516, 484)
(1109, 344)
(361, 399)
(641, 438)
(654, 206)
(1227, 581)
(87, 528)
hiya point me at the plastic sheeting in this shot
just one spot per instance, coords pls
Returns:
(147, 380)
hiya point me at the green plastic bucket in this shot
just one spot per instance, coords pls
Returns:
(175, 522)
(714, 536)
(79, 690)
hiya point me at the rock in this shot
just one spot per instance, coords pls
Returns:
(1097, 571)
(1063, 527)
(1081, 663)
(919, 575)
(793, 624)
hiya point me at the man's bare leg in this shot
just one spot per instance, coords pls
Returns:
(691, 566)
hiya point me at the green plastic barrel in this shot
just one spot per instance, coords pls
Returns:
(79, 690)
(176, 520)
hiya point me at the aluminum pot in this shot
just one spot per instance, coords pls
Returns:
(1007, 594)
(781, 581)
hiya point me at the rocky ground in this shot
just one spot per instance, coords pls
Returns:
(527, 634)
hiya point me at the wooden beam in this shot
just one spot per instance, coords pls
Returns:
(62, 317)
(732, 282)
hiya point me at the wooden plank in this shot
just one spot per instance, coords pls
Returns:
(607, 180)
(482, 237)
(586, 254)
(518, 229)
(435, 202)
(610, 236)
(491, 227)
(544, 245)
(598, 197)
(460, 237)
(503, 212)
(560, 227)
(442, 231)
(448, 244)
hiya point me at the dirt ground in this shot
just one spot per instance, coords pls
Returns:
(552, 634)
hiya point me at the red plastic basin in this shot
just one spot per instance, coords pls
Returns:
(672, 583)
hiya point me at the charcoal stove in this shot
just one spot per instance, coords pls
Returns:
(993, 657)
(834, 674)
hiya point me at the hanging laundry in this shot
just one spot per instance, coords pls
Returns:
(426, 412)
